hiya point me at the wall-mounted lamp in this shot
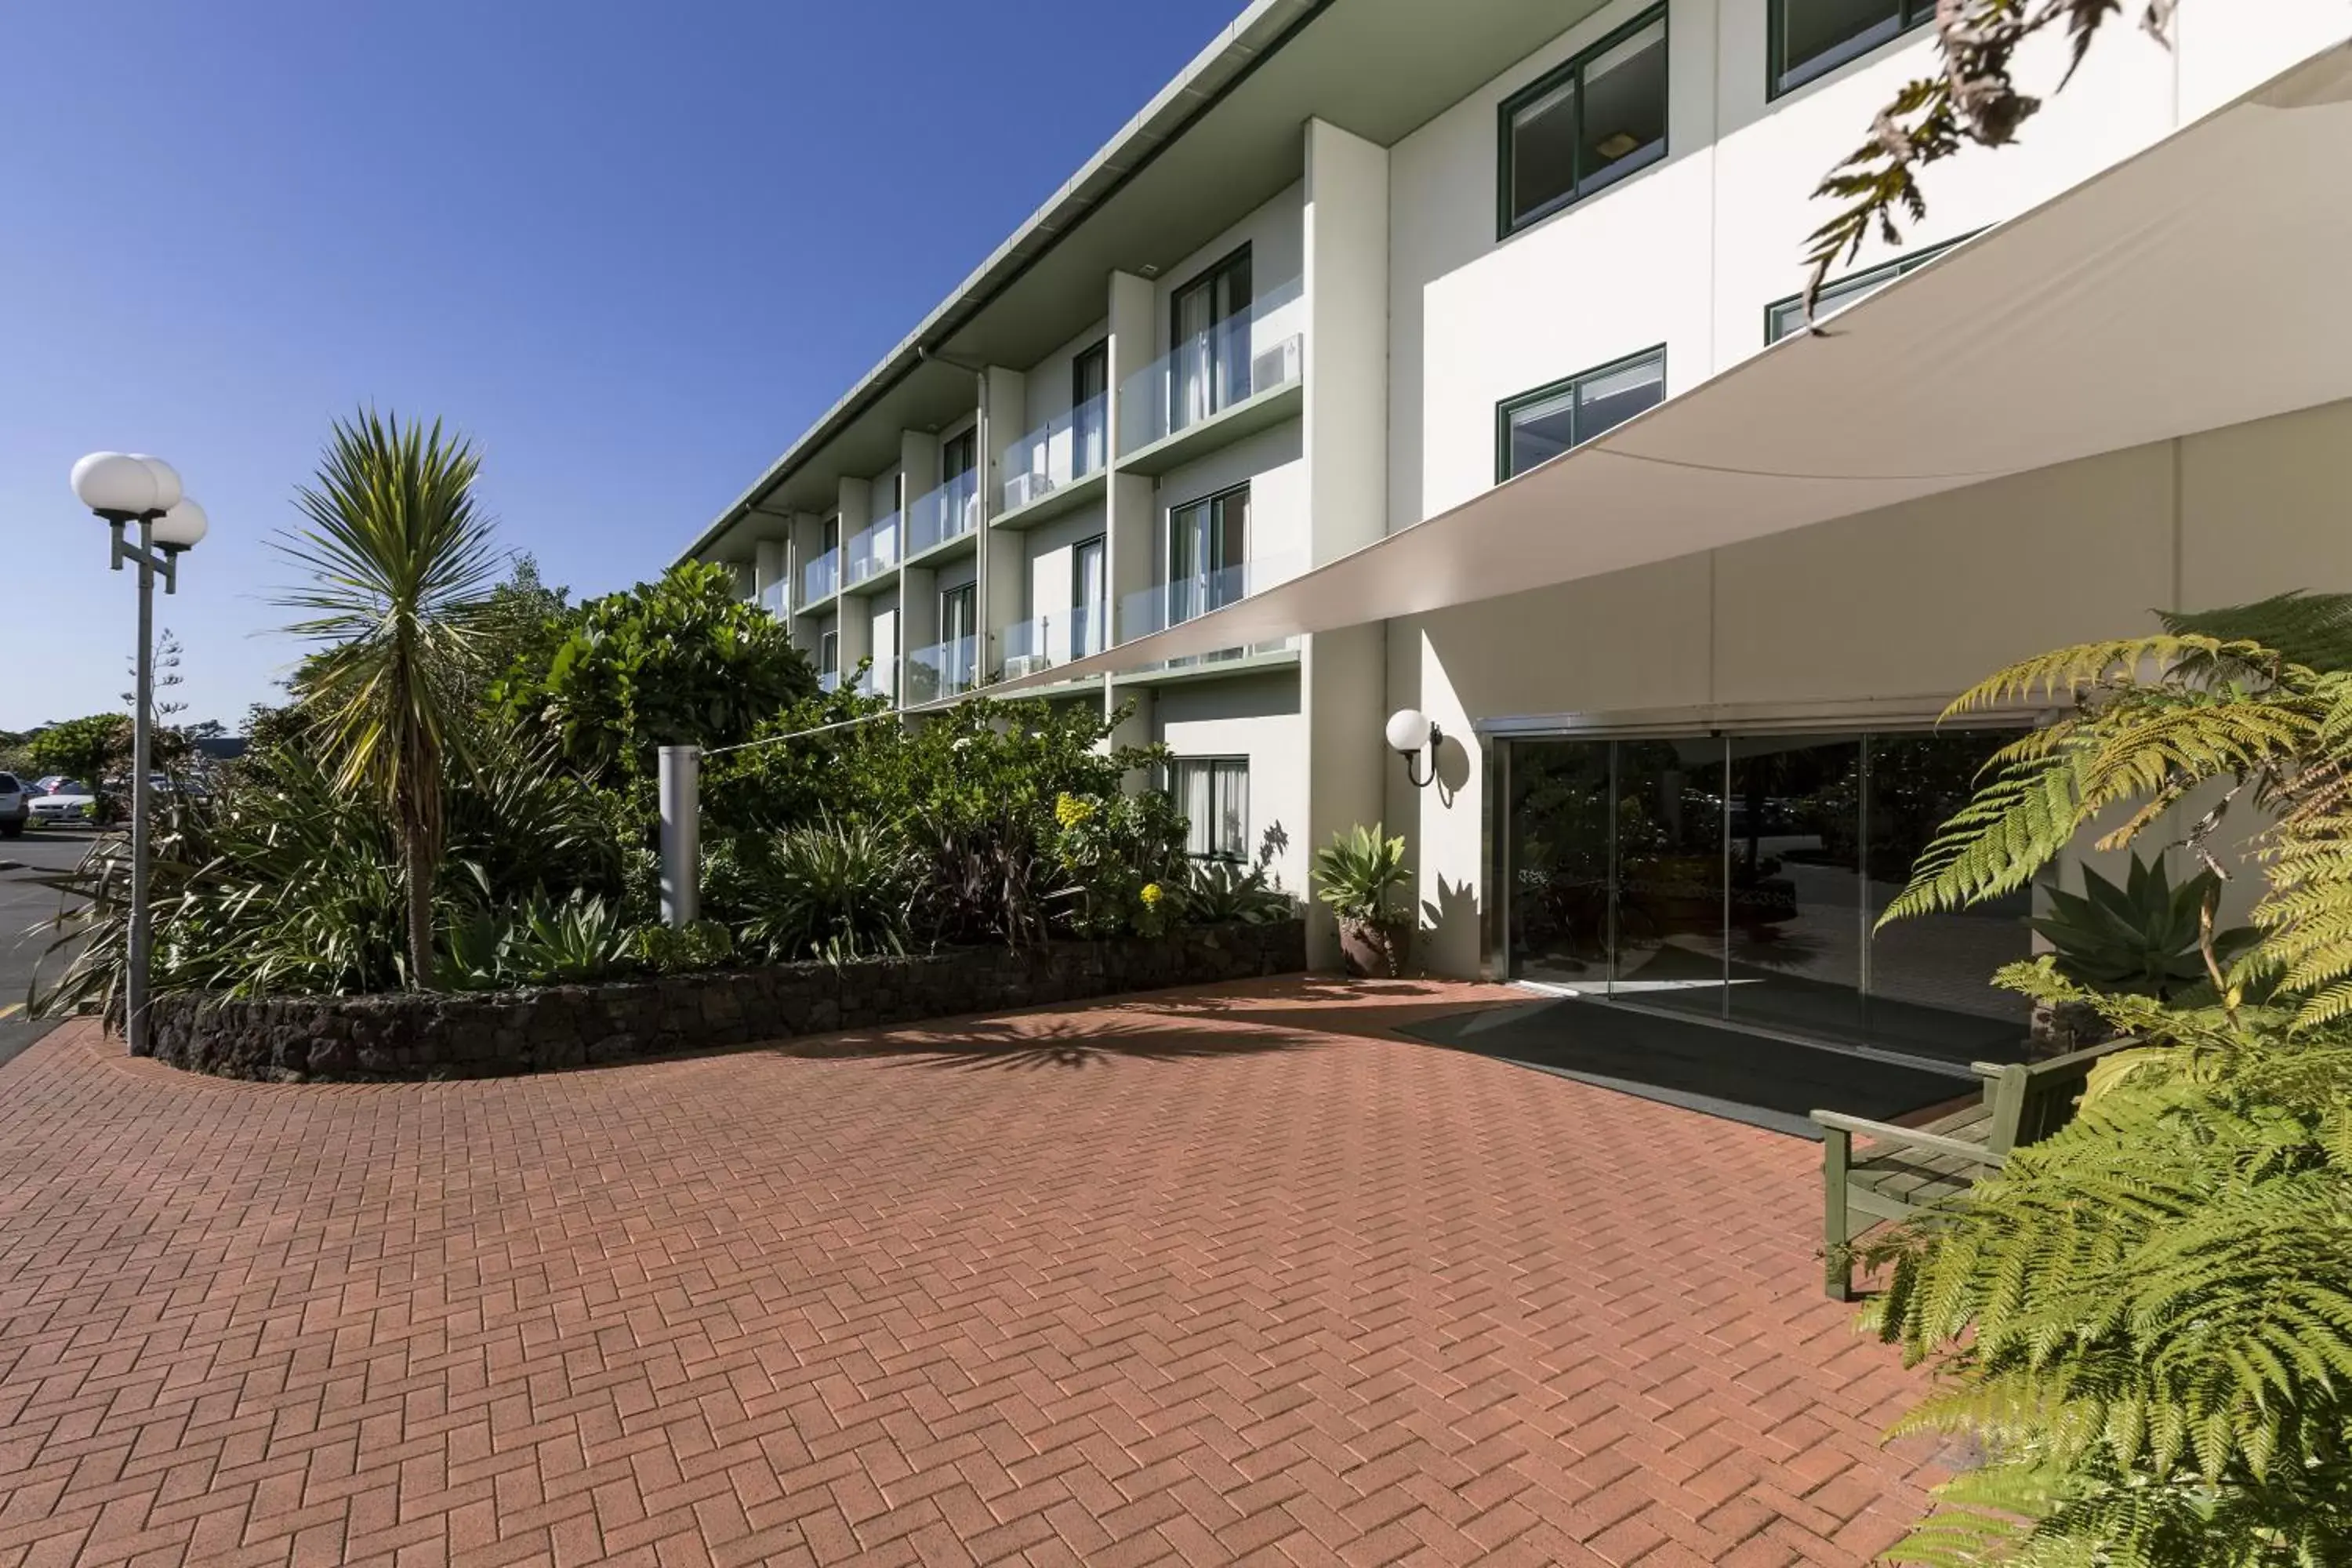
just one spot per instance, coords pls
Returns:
(1410, 733)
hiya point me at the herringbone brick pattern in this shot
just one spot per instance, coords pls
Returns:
(1229, 1278)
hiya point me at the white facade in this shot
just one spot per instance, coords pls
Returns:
(1388, 320)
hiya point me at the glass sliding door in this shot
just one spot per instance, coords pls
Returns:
(1089, 593)
(1669, 873)
(1209, 329)
(1738, 877)
(1925, 975)
(1089, 411)
(1559, 845)
(1208, 545)
(1796, 900)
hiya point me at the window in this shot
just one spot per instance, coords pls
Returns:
(1213, 795)
(1089, 410)
(1209, 342)
(1208, 554)
(1090, 592)
(1813, 38)
(957, 617)
(828, 654)
(1537, 427)
(1588, 124)
(959, 455)
(1785, 316)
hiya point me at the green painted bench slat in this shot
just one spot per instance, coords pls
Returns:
(1902, 1170)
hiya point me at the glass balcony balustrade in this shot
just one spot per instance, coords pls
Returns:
(1065, 449)
(1045, 641)
(1240, 358)
(820, 578)
(828, 680)
(880, 678)
(951, 511)
(873, 550)
(942, 670)
(1166, 605)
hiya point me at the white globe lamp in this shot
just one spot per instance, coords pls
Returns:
(118, 486)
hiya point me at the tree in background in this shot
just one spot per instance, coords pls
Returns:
(523, 622)
(401, 564)
(678, 662)
(1974, 99)
(85, 749)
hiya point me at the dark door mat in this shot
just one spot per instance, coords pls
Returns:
(1754, 1078)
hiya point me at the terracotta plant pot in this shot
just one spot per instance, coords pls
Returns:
(1375, 950)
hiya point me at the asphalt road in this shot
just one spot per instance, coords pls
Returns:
(24, 903)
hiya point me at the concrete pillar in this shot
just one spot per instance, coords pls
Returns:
(1004, 413)
(1132, 545)
(856, 641)
(768, 572)
(1343, 685)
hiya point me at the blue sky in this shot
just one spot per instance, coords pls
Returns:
(632, 249)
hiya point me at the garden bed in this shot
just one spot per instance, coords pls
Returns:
(348, 1038)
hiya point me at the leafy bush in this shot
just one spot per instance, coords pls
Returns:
(1358, 871)
(1119, 855)
(1221, 892)
(579, 940)
(680, 660)
(838, 891)
(683, 949)
(2141, 938)
(285, 882)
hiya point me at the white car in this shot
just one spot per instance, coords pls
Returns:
(69, 801)
(14, 809)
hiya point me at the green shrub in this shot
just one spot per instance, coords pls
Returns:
(681, 659)
(1119, 856)
(1223, 892)
(837, 891)
(683, 949)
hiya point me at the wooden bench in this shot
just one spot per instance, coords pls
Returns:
(1907, 1169)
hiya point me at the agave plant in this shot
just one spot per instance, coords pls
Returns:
(1225, 893)
(579, 940)
(835, 891)
(2139, 938)
(1357, 872)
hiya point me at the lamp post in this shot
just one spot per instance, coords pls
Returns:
(123, 488)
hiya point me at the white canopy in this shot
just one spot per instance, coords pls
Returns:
(2198, 285)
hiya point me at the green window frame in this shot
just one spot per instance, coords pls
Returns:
(1784, 318)
(1569, 386)
(1569, 79)
(1781, 77)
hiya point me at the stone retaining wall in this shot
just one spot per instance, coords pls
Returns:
(301, 1039)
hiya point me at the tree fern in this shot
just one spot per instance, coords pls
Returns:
(2147, 1317)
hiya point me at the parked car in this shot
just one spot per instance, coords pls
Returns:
(15, 809)
(67, 800)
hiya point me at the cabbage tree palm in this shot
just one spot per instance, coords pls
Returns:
(401, 562)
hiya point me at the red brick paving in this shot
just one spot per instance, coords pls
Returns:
(1191, 1281)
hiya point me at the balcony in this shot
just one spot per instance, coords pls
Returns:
(1056, 468)
(828, 680)
(1244, 374)
(880, 679)
(1045, 641)
(820, 578)
(945, 515)
(873, 556)
(942, 670)
(1172, 603)
(775, 598)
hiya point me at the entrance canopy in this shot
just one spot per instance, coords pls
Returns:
(2198, 285)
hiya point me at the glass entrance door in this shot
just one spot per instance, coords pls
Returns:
(1738, 877)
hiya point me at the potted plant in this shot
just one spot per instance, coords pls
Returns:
(1355, 874)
